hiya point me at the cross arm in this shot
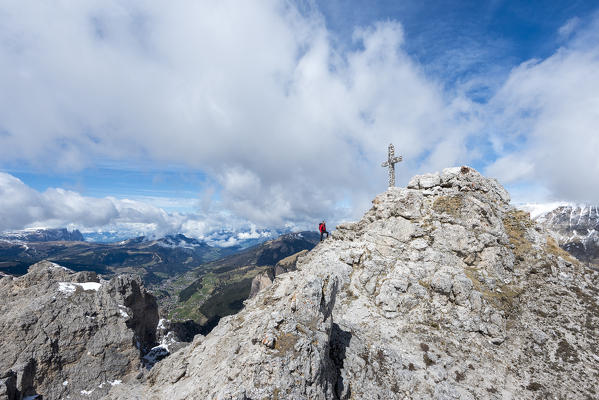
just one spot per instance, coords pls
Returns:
(385, 164)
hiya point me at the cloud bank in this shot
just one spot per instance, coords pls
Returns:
(256, 94)
(24, 207)
(21, 206)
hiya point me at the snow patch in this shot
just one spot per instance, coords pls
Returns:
(65, 383)
(161, 324)
(155, 354)
(115, 382)
(87, 392)
(539, 209)
(66, 288)
(123, 312)
(69, 288)
(54, 265)
(89, 285)
(167, 341)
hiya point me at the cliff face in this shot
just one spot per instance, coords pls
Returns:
(265, 279)
(441, 290)
(70, 335)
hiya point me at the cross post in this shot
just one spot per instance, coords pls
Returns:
(391, 161)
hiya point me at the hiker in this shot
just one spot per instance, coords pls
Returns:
(322, 227)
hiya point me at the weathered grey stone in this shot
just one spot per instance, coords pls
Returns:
(8, 385)
(265, 279)
(459, 298)
(427, 181)
(441, 283)
(71, 334)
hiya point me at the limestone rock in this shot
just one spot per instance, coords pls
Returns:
(261, 281)
(71, 334)
(441, 291)
(265, 279)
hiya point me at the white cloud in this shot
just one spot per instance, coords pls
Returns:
(511, 168)
(253, 93)
(547, 116)
(568, 28)
(22, 206)
(257, 96)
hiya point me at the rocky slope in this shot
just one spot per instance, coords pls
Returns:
(70, 335)
(576, 228)
(441, 291)
(266, 278)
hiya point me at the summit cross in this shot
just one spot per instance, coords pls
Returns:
(391, 161)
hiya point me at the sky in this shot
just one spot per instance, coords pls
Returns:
(202, 117)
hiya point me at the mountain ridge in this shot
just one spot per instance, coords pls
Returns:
(442, 290)
(575, 227)
(43, 235)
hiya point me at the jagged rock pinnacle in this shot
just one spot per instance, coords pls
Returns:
(71, 335)
(442, 290)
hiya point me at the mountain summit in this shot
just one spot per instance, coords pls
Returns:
(442, 290)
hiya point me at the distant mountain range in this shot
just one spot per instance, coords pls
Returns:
(222, 238)
(575, 227)
(154, 260)
(43, 235)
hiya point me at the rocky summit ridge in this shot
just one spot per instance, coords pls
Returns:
(67, 335)
(442, 290)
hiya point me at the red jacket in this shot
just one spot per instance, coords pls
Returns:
(322, 227)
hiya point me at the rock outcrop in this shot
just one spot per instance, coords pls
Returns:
(265, 279)
(71, 335)
(441, 291)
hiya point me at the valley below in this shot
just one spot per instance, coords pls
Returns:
(194, 283)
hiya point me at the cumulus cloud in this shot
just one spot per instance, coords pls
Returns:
(253, 93)
(21, 206)
(290, 127)
(546, 119)
(24, 207)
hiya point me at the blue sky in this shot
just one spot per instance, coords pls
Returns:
(196, 117)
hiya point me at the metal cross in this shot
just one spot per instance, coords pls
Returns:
(391, 161)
